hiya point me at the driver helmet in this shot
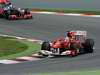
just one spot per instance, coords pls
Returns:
(70, 34)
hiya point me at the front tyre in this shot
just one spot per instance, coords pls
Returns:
(45, 46)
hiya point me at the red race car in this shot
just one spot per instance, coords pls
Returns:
(75, 43)
(8, 11)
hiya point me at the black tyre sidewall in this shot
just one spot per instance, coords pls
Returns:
(45, 46)
(88, 46)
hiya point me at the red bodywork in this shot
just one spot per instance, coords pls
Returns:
(15, 17)
(4, 1)
(64, 43)
(60, 43)
(1, 11)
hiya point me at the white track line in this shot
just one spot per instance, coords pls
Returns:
(28, 58)
(21, 38)
(90, 71)
(68, 14)
(9, 62)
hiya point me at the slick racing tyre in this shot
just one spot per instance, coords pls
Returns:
(6, 15)
(45, 46)
(88, 46)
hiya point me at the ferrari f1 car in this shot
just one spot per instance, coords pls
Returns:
(8, 11)
(74, 44)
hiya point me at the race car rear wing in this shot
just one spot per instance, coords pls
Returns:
(84, 33)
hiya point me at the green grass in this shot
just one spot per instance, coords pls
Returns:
(12, 48)
(71, 73)
(68, 11)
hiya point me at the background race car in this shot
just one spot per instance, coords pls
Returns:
(75, 43)
(8, 11)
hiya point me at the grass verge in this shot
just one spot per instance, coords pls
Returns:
(68, 11)
(11, 48)
(71, 73)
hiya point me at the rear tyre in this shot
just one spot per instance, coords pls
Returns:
(45, 46)
(88, 45)
(1, 16)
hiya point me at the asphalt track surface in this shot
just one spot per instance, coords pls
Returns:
(59, 4)
(49, 27)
